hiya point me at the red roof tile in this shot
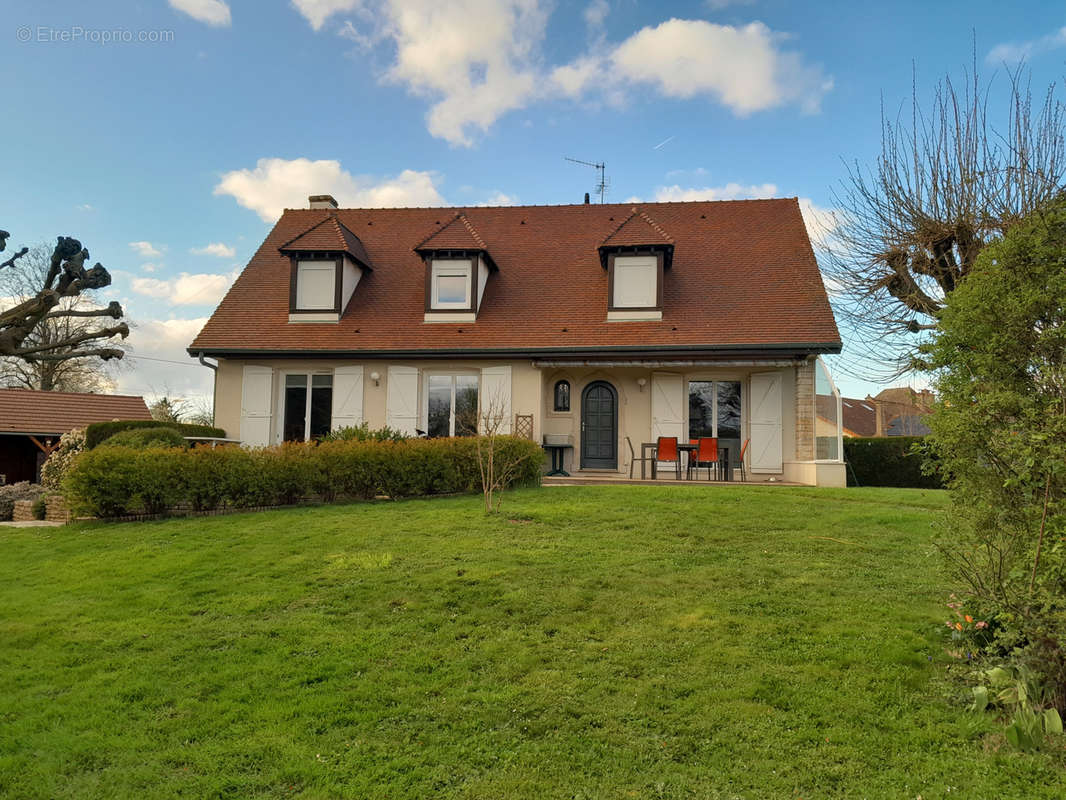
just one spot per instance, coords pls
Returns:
(25, 411)
(743, 276)
(329, 235)
(456, 234)
(638, 228)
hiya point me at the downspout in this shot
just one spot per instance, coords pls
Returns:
(214, 383)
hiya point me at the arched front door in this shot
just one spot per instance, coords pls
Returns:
(599, 426)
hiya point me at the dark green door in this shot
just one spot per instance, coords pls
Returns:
(599, 426)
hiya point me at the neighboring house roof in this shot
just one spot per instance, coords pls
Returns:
(907, 425)
(858, 417)
(52, 413)
(744, 278)
(328, 235)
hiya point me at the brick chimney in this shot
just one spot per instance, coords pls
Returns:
(321, 201)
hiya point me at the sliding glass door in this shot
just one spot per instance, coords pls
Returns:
(714, 410)
(452, 405)
(307, 407)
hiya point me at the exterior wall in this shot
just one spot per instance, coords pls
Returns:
(532, 392)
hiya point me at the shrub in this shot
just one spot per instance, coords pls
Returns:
(99, 431)
(362, 433)
(103, 482)
(889, 461)
(115, 479)
(55, 468)
(10, 493)
(141, 438)
(39, 509)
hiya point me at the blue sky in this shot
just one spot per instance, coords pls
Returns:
(168, 135)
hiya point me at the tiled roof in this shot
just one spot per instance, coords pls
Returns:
(638, 228)
(456, 234)
(329, 235)
(25, 411)
(859, 417)
(743, 276)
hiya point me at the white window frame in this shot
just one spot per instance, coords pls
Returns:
(453, 374)
(450, 267)
(624, 265)
(834, 392)
(279, 433)
(316, 265)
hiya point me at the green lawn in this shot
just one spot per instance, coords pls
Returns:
(592, 642)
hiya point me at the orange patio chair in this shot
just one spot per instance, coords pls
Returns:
(706, 455)
(666, 450)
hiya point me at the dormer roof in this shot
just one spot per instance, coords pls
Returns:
(638, 230)
(458, 235)
(329, 235)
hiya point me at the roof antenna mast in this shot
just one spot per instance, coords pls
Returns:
(601, 187)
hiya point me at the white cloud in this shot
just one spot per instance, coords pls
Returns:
(498, 198)
(204, 289)
(742, 67)
(146, 249)
(1014, 52)
(821, 222)
(149, 268)
(211, 12)
(276, 184)
(86, 207)
(596, 13)
(160, 363)
(317, 12)
(217, 249)
(731, 191)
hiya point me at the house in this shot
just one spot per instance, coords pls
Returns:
(893, 412)
(592, 323)
(32, 422)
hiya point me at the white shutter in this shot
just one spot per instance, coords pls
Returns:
(401, 399)
(347, 397)
(667, 406)
(256, 392)
(315, 285)
(766, 422)
(495, 396)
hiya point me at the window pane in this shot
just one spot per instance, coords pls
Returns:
(728, 410)
(700, 409)
(636, 281)
(440, 405)
(295, 408)
(452, 288)
(315, 285)
(826, 423)
(562, 396)
(465, 405)
(321, 405)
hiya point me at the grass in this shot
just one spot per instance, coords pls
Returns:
(592, 642)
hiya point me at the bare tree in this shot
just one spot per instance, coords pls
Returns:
(78, 374)
(499, 464)
(66, 277)
(947, 182)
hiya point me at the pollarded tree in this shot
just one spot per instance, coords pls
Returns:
(77, 374)
(950, 180)
(999, 432)
(66, 277)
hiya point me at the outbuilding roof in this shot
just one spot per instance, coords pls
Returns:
(52, 413)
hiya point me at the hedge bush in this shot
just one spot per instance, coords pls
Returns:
(99, 431)
(141, 438)
(117, 480)
(888, 461)
(11, 492)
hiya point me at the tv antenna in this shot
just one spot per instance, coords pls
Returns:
(601, 187)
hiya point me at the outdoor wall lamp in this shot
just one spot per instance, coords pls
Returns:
(642, 382)
(376, 378)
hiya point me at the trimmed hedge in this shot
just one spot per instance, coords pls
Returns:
(97, 432)
(113, 481)
(159, 436)
(888, 461)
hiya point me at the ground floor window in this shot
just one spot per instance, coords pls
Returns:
(308, 407)
(451, 405)
(714, 410)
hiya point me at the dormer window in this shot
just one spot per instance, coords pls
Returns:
(451, 285)
(457, 271)
(635, 282)
(327, 262)
(316, 286)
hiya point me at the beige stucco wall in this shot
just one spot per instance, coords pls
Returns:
(532, 393)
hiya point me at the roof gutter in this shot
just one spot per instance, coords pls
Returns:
(793, 350)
